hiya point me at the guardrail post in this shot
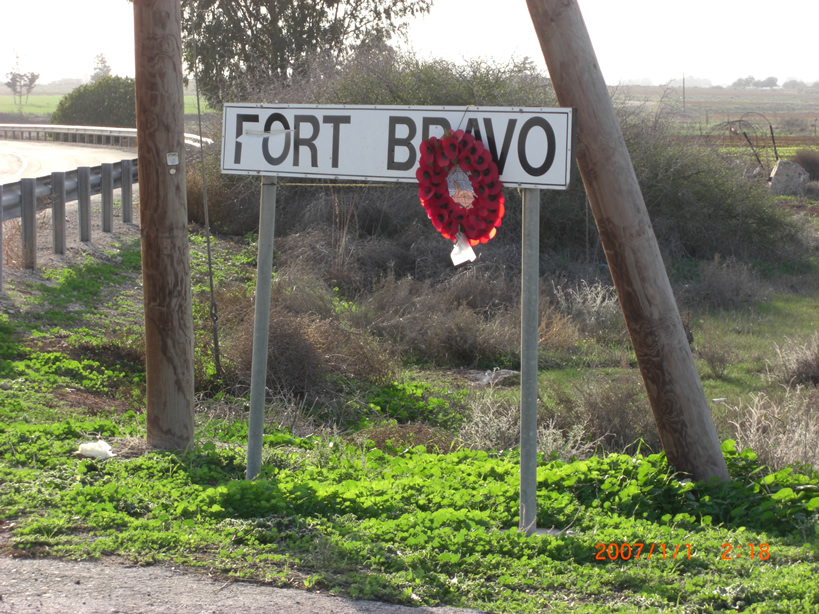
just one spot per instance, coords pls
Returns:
(126, 191)
(107, 193)
(28, 219)
(58, 211)
(84, 202)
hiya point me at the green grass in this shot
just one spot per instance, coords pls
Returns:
(36, 105)
(42, 105)
(418, 528)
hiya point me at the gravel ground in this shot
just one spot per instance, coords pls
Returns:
(111, 586)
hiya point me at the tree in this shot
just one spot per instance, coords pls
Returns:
(20, 83)
(230, 45)
(768, 82)
(101, 68)
(108, 102)
(746, 82)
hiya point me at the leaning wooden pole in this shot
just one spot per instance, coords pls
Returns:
(164, 223)
(674, 389)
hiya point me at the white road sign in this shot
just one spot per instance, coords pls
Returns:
(531, 146)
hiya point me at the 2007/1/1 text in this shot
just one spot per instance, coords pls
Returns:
(613, 551)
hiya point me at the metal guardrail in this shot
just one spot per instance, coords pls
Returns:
(23, 199)
(92, 135)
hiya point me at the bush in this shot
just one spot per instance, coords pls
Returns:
(699, 204)
(724, 283)
(233, 200)
(308, 354)
(110, 101)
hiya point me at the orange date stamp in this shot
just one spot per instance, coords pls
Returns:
(636, 550)
(748, 551)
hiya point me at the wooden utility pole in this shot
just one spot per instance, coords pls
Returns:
(164, 223)
(674, 389)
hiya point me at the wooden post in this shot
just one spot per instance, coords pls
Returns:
(84, 202)
(261, 326)
(529, 297)
(673, 385)
(28, 221)
(58, 211)
(166, 276)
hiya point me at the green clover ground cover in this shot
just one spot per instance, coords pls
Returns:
(415, 528)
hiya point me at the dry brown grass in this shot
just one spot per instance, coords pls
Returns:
(592, 307)
(613, 410)
(307, 346)
(456, 323)
(557, 330)
(493, 423)
(780, 431)
(797, 361)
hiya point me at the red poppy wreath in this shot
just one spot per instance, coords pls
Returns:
(475, 212)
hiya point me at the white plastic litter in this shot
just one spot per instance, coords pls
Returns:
(95, 449)
(463, 252)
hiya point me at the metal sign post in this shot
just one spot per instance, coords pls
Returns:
(261, 326)
(529, 322)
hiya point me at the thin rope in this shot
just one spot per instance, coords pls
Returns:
(214, 313)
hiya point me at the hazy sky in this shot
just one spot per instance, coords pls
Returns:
(654, 40)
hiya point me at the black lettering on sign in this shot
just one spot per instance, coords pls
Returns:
(406, 142)
(473, 127)
(443, 122)
(550, 142)
(241, 119)
(336, 121)
(303, 141)
(500, 160)
(276, 117)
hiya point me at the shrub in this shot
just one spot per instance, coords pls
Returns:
(110, 101)
(445, 324)
(307, 354)
(233, 200)
(809, 160)
(725, 283)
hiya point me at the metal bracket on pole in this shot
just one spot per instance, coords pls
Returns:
(528, 359)
(261, 326)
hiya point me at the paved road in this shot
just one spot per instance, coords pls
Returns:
(24, 159)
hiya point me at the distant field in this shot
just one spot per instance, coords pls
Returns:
(45, 105)
(791, 112)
